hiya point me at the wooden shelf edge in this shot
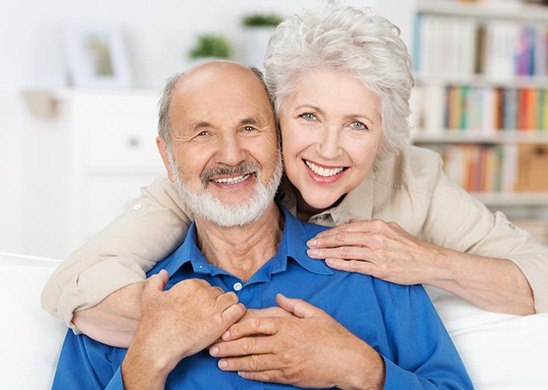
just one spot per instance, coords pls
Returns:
(513, 11)
(504, 137)
(482, 80)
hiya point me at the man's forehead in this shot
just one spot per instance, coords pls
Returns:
(226, 107)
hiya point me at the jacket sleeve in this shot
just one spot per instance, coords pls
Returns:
(423, 355)
(474, 229)
(154, 224)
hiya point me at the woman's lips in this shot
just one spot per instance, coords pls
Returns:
(322, 173)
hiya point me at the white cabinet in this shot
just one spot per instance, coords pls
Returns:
(88, 154)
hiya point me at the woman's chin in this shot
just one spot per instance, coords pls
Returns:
(320, 203)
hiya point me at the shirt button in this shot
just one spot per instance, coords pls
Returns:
(137, 206)
(237, 286)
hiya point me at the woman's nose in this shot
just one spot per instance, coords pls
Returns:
(329, 146)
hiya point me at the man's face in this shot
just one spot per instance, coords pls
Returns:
(224, 148)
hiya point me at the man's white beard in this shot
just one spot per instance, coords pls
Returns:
(205, 205)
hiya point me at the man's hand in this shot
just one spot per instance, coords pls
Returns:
(175, 324)
(308, 349)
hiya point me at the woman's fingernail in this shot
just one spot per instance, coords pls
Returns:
(312, 252)
(330, 261)
(214, 351)
(223, 363)
(312, 243)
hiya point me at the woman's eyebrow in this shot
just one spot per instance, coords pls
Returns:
(315, 108)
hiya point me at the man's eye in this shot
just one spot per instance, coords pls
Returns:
(357, 125)
(249, 128)
(202, 134)
(308, 116)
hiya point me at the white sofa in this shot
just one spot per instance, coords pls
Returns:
(500, 351)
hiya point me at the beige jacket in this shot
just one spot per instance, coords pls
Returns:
(409, 189)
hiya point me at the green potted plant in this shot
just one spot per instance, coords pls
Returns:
(210, 46)
(257, 30)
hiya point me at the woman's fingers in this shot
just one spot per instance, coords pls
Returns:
(344, 252)
(362, 267)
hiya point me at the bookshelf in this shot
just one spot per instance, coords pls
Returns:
(481, 100)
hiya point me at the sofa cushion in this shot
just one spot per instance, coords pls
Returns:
(500, 351)
(30, 338)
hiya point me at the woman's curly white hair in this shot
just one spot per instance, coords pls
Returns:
(346, 39)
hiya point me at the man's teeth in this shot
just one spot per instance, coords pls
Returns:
(232, 180)
(322, 171)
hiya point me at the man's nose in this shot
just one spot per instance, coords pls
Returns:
(231, 150)
(328, 146)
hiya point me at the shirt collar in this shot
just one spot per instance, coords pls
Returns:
(292, 245)
(293, 242)
(188, 252)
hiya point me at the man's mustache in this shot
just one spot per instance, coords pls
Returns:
(241, 169)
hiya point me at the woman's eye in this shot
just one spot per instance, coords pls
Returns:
(357, 125)
(308, 116)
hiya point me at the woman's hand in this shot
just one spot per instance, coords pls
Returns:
(377, 248)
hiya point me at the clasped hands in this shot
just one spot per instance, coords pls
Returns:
(294, 343)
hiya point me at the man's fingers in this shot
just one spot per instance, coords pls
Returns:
(251, 327)
(155, 283)
(268, 312)
(300, 308)
(225, 300)
(276, 376)
(251, 363)
(232, 314)
(242, 347)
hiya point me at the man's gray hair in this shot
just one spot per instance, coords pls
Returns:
(351, 40)
(164, 120)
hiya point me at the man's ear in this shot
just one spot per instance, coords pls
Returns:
(162, 148)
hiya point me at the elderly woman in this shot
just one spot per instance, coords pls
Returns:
(340, 79)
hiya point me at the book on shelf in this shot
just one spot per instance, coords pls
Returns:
(499, 49)
(497, 168)
(482, 110)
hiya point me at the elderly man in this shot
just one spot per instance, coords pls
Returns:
(345, 330)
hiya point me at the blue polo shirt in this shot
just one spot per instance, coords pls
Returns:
(399, 322)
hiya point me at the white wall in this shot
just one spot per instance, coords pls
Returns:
(158, 37)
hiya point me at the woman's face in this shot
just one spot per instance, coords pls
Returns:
(331, 132)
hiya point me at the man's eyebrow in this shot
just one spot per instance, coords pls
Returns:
(200, 125)
(249, 121)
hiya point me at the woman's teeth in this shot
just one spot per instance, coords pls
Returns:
(232, 180)
(323, 171)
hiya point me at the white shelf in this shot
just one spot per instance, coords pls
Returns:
(512, 199)
(483, 10)
(504, 137)
(483, 81)
(43, 102)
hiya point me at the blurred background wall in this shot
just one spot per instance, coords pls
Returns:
(158, 36)
(71, 158)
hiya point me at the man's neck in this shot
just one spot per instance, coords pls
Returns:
(241, 250)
